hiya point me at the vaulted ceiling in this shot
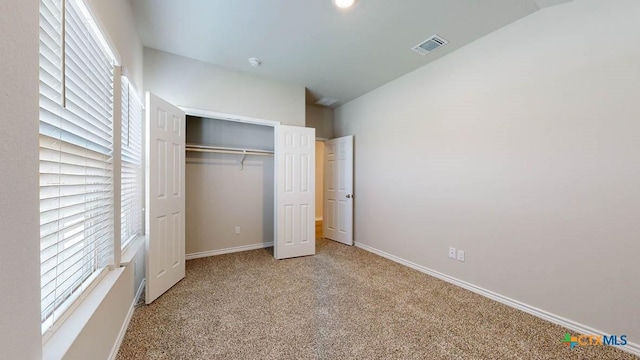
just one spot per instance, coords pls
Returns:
(333, 52)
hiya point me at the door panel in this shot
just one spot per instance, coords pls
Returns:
(165, 200)
(295, 192)
(338, 192)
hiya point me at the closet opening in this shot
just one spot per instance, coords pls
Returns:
(229, 186)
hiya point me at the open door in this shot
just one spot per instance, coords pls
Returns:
(165, 147)
(295, 213)
(338, 190)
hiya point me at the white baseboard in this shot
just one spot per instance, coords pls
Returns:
(633, 348)
(228, 250)
(127, 320)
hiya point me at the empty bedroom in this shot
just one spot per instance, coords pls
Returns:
(325, 179)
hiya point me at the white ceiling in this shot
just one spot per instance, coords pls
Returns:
(332, 52)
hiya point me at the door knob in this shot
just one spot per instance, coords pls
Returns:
(348, 196)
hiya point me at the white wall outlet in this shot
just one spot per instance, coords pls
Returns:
(237, 229)
(460, 255)
(452, 253)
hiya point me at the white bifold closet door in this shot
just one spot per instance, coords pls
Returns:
(295, 153)
(165, 165)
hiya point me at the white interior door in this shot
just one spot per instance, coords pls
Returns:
(338, 190)
(295, 212)
(165, 143)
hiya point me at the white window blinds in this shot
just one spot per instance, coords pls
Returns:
(76, 145)
(131, 164)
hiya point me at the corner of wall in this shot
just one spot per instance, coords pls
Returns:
(19, 208)
(321, 118)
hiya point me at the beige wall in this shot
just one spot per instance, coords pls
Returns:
(521, 149)
(195, 84)
(320, 118)
(19, 207)
(319, 179)
(220, 197)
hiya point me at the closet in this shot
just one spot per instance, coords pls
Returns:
(229, 186)
(219, 183)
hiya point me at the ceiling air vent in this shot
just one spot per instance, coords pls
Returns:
(429, 45)
(327, 101)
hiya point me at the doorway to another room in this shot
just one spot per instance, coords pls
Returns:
(319, 187)
(334, 189)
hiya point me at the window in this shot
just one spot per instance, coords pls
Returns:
(76, 150)
(131, 164)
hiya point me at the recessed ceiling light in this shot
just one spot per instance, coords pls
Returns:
(343, 4)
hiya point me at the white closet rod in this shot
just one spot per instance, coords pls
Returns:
(227, 150)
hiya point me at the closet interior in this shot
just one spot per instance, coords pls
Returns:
(229, 186)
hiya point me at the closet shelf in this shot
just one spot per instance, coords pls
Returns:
(229, 150)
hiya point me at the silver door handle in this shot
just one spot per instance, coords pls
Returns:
(348, 196)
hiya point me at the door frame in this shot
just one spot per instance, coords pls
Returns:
(322, 140)
(350, 241)
(189, 111)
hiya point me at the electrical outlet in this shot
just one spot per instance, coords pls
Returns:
(461, 255)
(237, 230)
(452, 253)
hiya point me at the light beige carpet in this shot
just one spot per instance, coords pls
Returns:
(343, 303)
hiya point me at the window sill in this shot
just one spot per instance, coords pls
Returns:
(64, 337)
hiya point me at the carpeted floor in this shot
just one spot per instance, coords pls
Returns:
(343, 303)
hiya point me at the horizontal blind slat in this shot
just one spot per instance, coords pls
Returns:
(93, 79)
(84, 96)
